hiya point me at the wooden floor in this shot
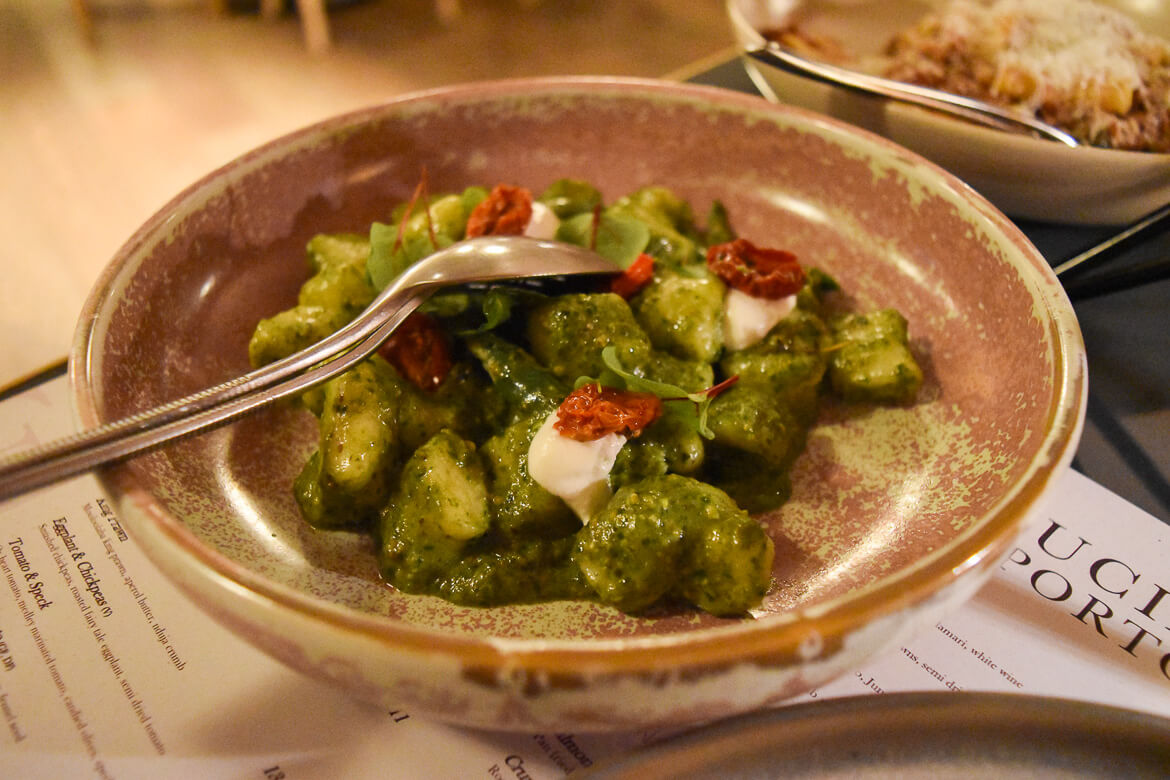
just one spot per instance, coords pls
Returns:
(97, 133)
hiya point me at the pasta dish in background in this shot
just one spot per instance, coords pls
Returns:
(1080, 66)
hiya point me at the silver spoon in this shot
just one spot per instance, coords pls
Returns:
(968, 109)
(1081, 286)
(485, 259)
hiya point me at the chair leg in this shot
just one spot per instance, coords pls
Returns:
(315, 24)
(84, 16)
(448, 10)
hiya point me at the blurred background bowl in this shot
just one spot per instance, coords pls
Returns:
(897, 515)
(1025, 177)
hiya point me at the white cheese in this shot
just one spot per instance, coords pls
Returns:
(747, 319)
(575, 471)
(1065, 47)
(543, 223)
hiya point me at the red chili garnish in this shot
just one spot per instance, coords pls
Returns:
(419, 350)
(420, 193)
(718, 388)
(634, 278)
(759, 272)
(590, 412)
(504, 212)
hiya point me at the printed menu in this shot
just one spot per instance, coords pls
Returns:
(107, 671)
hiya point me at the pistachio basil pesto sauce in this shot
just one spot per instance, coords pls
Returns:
(447, 453)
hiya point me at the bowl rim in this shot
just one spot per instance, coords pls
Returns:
(767, 640)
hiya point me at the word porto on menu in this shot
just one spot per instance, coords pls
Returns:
(1119, 601)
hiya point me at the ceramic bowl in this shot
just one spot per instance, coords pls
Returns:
(897, 515)
(1025, 177)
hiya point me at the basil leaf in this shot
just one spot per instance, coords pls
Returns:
(619, 238)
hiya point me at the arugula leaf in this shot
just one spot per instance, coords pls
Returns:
(447, 305)
(619, 238)
(690, 407)
(468, 311)
(497, 308)
(496, 304)
(380, 266)
(389, 257)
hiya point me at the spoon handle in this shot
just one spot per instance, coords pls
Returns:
(1149, 226)
(955, 105)
(202, 411)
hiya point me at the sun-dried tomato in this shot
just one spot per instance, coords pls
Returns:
(418, 348)
(590, 412)
(634, 278)
(504, 212)
(759, 272)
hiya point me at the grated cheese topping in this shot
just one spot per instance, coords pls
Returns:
(1076, 64)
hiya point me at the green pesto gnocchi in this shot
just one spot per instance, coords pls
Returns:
(614, 444)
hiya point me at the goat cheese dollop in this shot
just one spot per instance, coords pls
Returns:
(543, 223)
(747, 319)
(577, 472)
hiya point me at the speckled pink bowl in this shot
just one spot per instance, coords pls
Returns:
(897, 514)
